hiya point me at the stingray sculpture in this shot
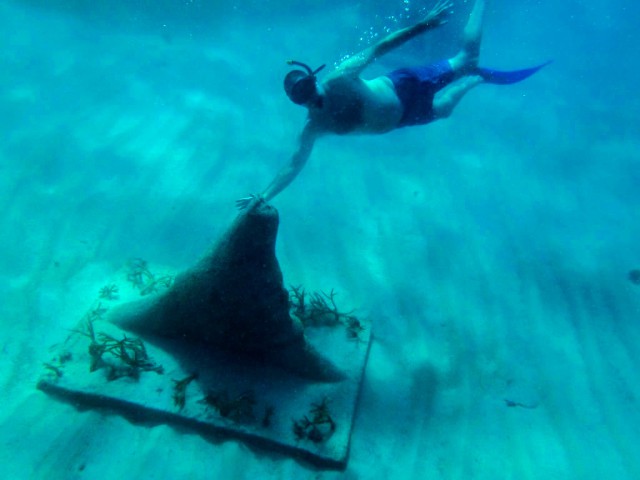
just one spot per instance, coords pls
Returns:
(234, 300)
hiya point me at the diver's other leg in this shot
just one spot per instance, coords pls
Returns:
(447, 98)
(467, 57)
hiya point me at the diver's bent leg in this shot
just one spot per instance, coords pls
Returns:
(467, 57)
(447, 98)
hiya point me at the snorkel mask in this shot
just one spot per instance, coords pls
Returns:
(299, 85)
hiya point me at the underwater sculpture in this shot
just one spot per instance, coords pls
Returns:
(221, 349)
(234, 299)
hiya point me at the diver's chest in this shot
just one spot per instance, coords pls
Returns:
(343, 110)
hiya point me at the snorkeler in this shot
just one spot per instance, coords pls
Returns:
(343, 103)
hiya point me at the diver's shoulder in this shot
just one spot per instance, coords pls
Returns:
(343, 84)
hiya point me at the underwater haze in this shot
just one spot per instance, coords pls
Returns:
(493, 251)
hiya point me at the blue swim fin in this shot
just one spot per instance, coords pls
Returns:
(505, 78)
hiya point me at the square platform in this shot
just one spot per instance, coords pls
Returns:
(272, 398)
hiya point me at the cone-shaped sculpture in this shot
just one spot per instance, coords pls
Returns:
(234, 300)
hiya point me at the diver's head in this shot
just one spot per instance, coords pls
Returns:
(301, 86)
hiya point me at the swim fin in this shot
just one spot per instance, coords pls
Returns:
(505, 78)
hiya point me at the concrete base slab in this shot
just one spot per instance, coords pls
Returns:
(247, 400)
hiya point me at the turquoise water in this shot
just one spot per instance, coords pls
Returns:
(491, 251)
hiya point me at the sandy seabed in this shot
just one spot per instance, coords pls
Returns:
(493, 270)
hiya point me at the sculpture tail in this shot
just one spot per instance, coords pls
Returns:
(505, 78)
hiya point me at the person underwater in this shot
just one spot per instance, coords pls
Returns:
(344, 103)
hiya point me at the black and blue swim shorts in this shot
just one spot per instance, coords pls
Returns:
(416, 87)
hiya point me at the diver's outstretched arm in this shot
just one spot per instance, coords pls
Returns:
(290, 171)
(436, 17)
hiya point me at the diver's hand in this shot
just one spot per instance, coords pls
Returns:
(243, 203)
(439, 13)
